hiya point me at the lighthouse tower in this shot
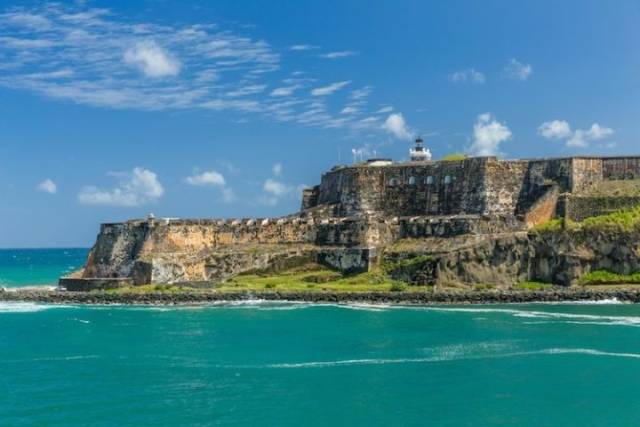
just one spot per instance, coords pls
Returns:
(419, 153)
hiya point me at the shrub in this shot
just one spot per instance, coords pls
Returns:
(605, 277)
(533, 286)
(397, 287)
(270, 286)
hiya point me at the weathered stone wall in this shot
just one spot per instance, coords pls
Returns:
(539, 176)
(578, 208)
(504, 181)
(543, 209)
(621, 168)
(586, 171)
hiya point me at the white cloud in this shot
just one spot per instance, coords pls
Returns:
(276, 188)
(580, 138)
(48, 186)
(336, 55)
(361, 93)
(135, 188)
(516, 70)
(328, 90)
(152, 60)
(468, 75)
(396, 125)
(301, 47)
(96, 57)
(555, 129)
(385, 110)
(247, 90)
(349, 110)
(488, 134)
(285, 90)
(207, 178)
(277, 169)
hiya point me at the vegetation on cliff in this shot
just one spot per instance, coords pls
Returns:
(627, 220)
(605, 277)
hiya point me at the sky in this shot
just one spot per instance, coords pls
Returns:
(111, 110)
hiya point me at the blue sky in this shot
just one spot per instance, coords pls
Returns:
(111, 110)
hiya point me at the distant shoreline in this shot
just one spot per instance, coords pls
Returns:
(410, 298)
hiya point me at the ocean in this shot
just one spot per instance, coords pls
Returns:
(280, 364)
(28, 267)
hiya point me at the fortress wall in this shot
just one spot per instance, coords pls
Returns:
(614, 168)
(442, 188)
(504, 181)
(539, 176)
(578, 208)
(586, 171)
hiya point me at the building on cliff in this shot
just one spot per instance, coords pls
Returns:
(466, 219)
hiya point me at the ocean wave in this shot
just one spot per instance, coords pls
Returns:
(447, 357)
(578, 318)
(26, 307)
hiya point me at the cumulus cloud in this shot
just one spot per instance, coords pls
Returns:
(336, 55)
(555, 129)
(488, 134)
(328, 90)
(207, 178)
(580, 138)
(47, 186)
(135, 188)
(467, 76)
(152, 60)
(397, 126)
(516, 70)
(276, 188)
(277, 169)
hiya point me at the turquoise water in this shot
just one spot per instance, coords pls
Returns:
(24, 267)
(289, 365)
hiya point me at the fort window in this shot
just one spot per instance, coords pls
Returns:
(429, 180)
(412, 180)
(393, 182)
(447, 179)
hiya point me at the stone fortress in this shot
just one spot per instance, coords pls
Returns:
(463, 222)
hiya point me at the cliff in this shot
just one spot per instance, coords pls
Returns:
(428, 223)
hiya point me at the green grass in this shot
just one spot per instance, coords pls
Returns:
(454, 157)
(317, 279)
(605, 277)
(626, 220)
(533, 286)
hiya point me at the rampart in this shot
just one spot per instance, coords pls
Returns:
(357, 211)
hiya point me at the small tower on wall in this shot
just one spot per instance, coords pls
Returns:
(419, 153)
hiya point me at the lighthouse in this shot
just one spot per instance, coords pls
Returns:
(419, 153)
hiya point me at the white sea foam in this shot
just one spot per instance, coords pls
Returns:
(578, 318)
(25, 307)
(449, 357)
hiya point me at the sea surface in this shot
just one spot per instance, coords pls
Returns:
(280, 364)
(28, 267)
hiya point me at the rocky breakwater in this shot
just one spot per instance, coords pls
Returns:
(419, 298)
